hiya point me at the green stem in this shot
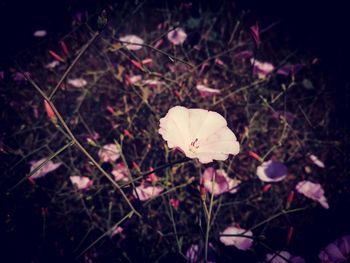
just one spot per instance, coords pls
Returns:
(77, 143)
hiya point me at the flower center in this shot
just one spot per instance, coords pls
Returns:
(194, 146)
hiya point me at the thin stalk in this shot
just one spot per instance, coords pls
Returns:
(77, 143)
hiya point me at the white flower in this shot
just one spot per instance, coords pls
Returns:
(77, 83)
(240, 242)
(199, 134)
(271, 171)
(205, 91)
(313, 191)
(134, 40)
(46, 168)
(81, 182)
(177, 36)
(109, 153)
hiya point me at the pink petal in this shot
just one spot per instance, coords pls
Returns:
(81, 182)
(109, 153)
(177, 36)
(313, 191)
(45, 169)
(240, 242)
(39, 33)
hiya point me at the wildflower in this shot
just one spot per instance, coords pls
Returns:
(177, 36)
(336, 252)
(120, 172)
(40, 33)
(52, 64)
(283, 257)
(174, 203)
(193, 254)
(313, 191)
(205, 91)
(316, 161)
(133, 42)
(77, 83)
(219, 62)
(116, 230)
(45, 169)
(218, 182)
(198, 134)
(238, 237)
(262, 69)
(81, 182)
(147, 192)
(109, 153)
(271, 171)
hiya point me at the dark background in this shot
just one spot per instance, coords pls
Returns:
(318, 28)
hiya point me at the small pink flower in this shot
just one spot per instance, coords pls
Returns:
(316, 161)
(109, 153)
(39, 33)
(152, 83)
(81, 182)
(231, 237)
(133, 79)
(120, 172)
(174, 203)
(283, 257)
(218, 182)
(116, 230)
(147, 192)
(262, 69)
(45, 169)
(77, 83)
(313, 191)
(199, 134)
(177, 36)
(205, 91)
(134, 42)
(271, 171)
(193, 254)
(158, 43)
(52, 64)
(336, 252)
(219, 62)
